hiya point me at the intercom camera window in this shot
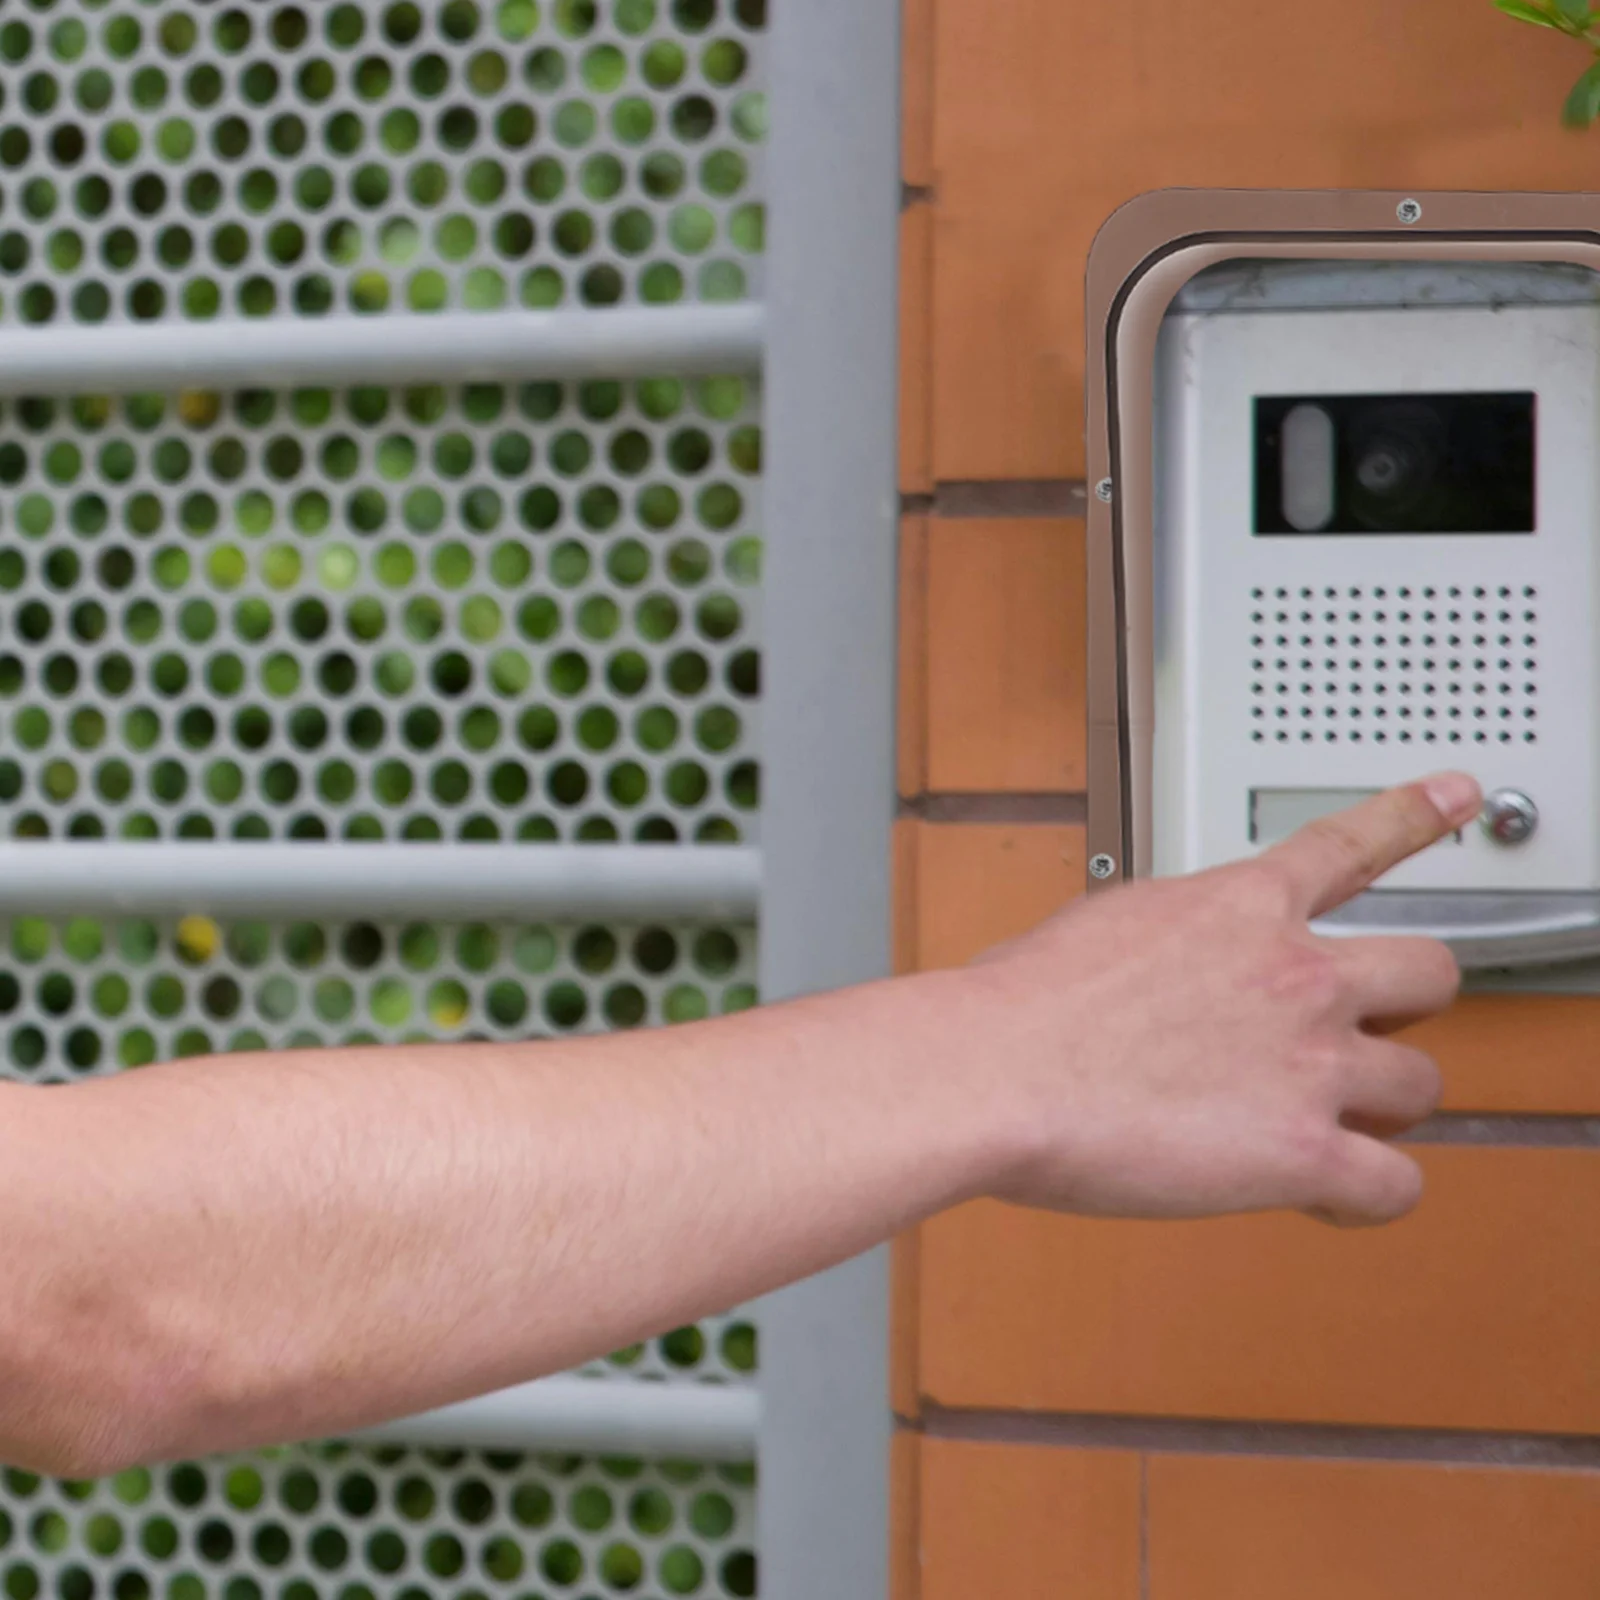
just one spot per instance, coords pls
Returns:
(1394, 463)
(1348, 533)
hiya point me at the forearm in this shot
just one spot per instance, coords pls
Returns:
(223, 1253)
(256, 1248)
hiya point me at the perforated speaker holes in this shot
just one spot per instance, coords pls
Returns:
(1375, 664)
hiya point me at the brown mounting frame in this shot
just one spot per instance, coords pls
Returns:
(1144, 253)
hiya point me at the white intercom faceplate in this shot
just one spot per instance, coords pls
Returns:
(1292, 670)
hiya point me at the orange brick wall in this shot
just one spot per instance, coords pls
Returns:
(1094, 1411)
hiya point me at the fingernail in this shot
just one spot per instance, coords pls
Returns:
(1457, 796)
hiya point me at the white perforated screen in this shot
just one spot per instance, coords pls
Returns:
(523, 612)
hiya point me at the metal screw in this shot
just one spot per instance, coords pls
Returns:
(1409, 211)
(1102, 490)
(1509, 816)
(1101, 866)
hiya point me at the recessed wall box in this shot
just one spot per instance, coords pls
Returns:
(1348, 533)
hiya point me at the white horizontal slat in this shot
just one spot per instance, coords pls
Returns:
(453, 347)
(301, 880)
(595, 1416)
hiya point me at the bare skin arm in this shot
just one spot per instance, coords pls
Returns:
(238, 1251)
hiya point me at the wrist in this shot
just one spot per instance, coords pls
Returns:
(959, 1078)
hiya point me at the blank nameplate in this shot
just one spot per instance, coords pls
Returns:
(1276, 813)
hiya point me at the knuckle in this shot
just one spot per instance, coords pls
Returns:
(1408, 816)
(1307, 974)
(1326, 1073)
(1320, 1152)
(1419, 815)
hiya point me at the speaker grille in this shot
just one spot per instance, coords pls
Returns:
(1394, 664)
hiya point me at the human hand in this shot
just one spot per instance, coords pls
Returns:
(1187, 1046)
(288, 1232)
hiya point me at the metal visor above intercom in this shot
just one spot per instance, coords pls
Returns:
(1368, 549)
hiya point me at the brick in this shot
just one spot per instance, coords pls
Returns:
(904, 1507)
(1027, 1523)
(905, 1388)
(911, 759)
(979, 884)
(1005, 656)
(904, 850)
(1535, 1054)
(916, 92)
(1202, 96)
(916, 349)
(1221, 1529)
(1477, 1312)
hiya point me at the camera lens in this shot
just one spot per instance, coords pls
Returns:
(1395, 453)
(1384, 468)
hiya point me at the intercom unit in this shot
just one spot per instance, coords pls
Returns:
(1345, 531)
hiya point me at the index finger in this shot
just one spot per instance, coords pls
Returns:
(1334, 858)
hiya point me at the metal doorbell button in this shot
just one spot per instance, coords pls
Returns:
(1509, 816)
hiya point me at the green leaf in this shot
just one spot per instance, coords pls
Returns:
(1583, 104)
(1574, 11)
(1524, 11)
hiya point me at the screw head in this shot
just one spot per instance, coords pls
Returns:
(1102, 490)
(1409, 211)
(1509, 816)
(1101, 866)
